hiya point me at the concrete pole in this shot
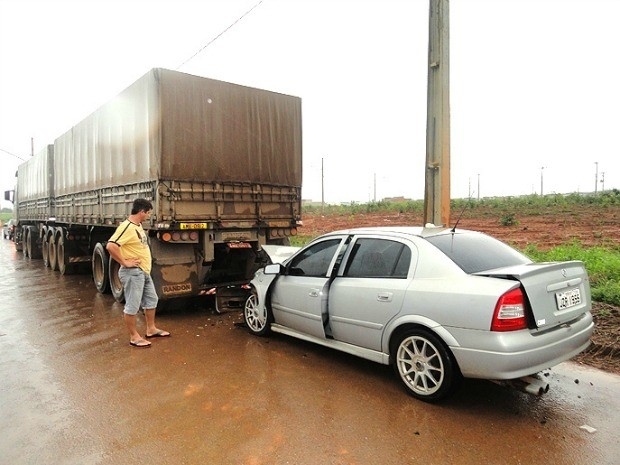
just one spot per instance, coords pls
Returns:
(437, 175)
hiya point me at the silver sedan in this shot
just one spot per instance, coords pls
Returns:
(437, 304)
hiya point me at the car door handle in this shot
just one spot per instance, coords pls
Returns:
(384, 297)
(313, 293)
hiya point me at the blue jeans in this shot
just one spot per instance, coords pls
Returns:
(139, 290)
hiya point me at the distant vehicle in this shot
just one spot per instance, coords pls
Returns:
(8, 229)
(437, 304)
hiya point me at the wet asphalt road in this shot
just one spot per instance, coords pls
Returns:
(73, 391)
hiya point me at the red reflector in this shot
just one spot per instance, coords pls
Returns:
(509, 312)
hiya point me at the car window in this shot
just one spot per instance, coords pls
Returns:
(378, 258)
(474, 253)
(315, 260)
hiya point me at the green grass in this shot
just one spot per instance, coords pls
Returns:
(602, 263)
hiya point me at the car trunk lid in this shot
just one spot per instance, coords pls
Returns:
(557, 292)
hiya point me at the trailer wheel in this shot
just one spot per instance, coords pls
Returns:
(25, 242)
(64, 266)
(45, 247)
(31, 243)
(115, 282)
(52, 250)
(101, 265)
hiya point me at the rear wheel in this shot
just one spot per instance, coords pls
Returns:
(31, 243)
(25, 250)
(115, 282)
(52, 251)
(424, 365)
(45, 248)
(64, 264)
(258, 318)
(101, 264)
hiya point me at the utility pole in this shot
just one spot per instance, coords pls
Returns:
(437, 174)
(322, 188)
(375, 188)
(596, 178)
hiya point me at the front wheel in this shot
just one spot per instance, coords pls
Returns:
(257, 317)
(424, 365)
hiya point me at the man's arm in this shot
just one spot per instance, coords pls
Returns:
(115, 252)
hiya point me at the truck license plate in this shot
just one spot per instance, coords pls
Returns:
(193, 225)
(568, 299)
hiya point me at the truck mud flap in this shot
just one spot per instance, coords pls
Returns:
(173, 281)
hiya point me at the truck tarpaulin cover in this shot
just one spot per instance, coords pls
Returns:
(171, 125)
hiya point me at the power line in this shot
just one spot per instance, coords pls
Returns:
(221, 33)
(12, 154)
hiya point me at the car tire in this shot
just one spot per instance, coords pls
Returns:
(424, 365)
(258, 318)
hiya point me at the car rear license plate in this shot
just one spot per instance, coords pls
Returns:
(568, 299)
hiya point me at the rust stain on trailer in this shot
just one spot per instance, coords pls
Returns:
(177, 273)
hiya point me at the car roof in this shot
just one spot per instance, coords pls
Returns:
(419, 231)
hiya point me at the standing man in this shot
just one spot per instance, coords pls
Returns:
(129, 247)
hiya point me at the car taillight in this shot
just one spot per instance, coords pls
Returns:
(509, 312)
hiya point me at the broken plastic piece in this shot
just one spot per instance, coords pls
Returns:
(589, 429)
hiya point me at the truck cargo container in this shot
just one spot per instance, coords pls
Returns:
(221, 163)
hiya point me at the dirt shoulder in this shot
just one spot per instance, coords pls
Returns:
(590, 226)
(604, 352)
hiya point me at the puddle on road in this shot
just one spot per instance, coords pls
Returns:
(211, 393)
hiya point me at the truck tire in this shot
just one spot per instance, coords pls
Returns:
(25, 241)
(45, 247)
(101, 268)
(32, 245)
(116, 287)
(64, 265)
(52, 251)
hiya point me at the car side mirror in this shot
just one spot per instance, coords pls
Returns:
(275, 268)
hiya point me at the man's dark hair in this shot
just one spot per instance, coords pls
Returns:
(140, 205)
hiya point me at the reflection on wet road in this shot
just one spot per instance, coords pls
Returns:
(73, 391)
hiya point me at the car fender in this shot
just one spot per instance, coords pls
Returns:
(416, 320)
(261, 283)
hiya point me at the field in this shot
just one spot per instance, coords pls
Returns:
(527, 223)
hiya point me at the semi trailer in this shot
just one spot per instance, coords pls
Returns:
(221, 163)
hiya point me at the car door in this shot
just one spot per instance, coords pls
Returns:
(369, 291)
(299, 296)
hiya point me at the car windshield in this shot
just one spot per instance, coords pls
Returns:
(474, 253)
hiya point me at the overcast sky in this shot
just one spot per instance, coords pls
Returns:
(534, 83)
